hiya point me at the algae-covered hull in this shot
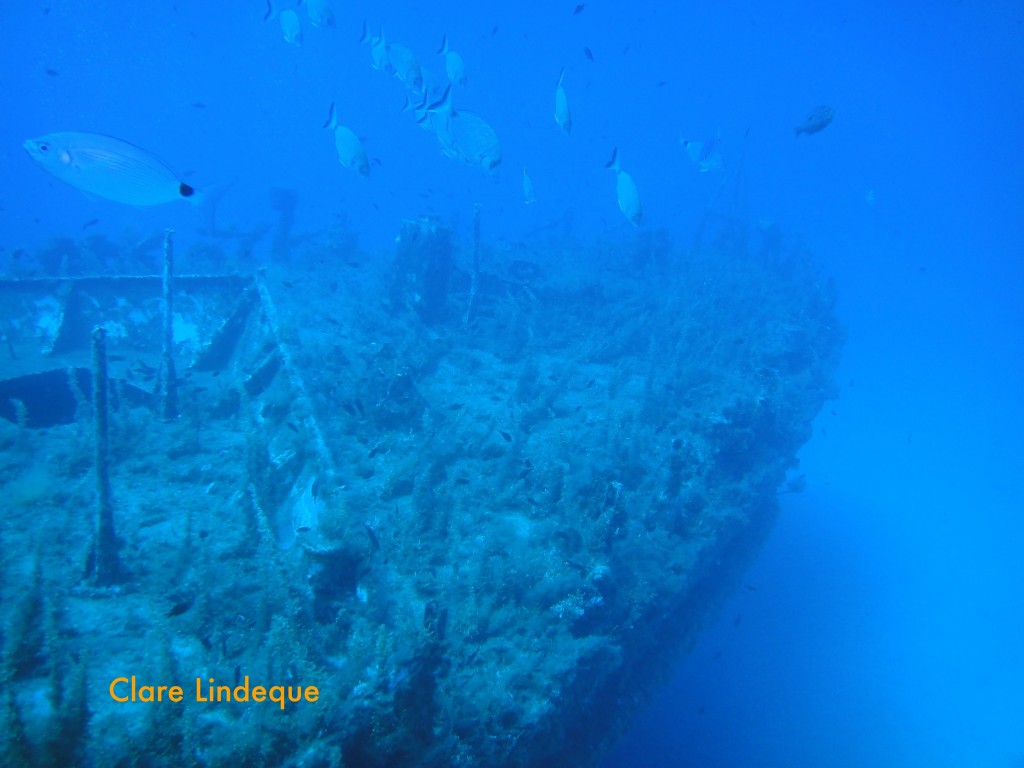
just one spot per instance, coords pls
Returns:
(480, 509)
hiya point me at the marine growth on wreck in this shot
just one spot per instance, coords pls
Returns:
(462, 503)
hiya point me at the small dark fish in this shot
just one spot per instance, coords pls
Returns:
(52, 72)
(494, 30)
(462, 481)
(506, 435)
(292, 427)
(198, 105)
(179, 608)
(588, 53)
(287, 284)
(737, 620)
(717, 656)
(750, 588)
(373, 536)
(270, 11)
(796, 484)
(817, 120)
(662, 83)
(90, 223)
(579, 9)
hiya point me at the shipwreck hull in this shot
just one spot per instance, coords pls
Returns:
(482, 510)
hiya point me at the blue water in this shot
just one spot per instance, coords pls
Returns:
(885, 622)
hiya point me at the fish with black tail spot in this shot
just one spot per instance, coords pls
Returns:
(109, 168)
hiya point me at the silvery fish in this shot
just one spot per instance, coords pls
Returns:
(350, 149)
(320, 13)
(562, 114)
(437, 117)
(463, 135)
(378, 47)
(418, 106)
(817, 120)
(528, 196)
(108, 168)
(430, 88)
(403, 64)
(475, 140)
(453, 65)
(625, 188)
(290, 27)
(419, 103)
(704, 154)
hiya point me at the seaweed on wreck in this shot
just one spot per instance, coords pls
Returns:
(483, 507)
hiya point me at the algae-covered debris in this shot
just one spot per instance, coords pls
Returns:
(483, 535)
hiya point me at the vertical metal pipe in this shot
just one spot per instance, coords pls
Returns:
(169, 386)
(105, 565)
(476, 239)
(475, 278)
